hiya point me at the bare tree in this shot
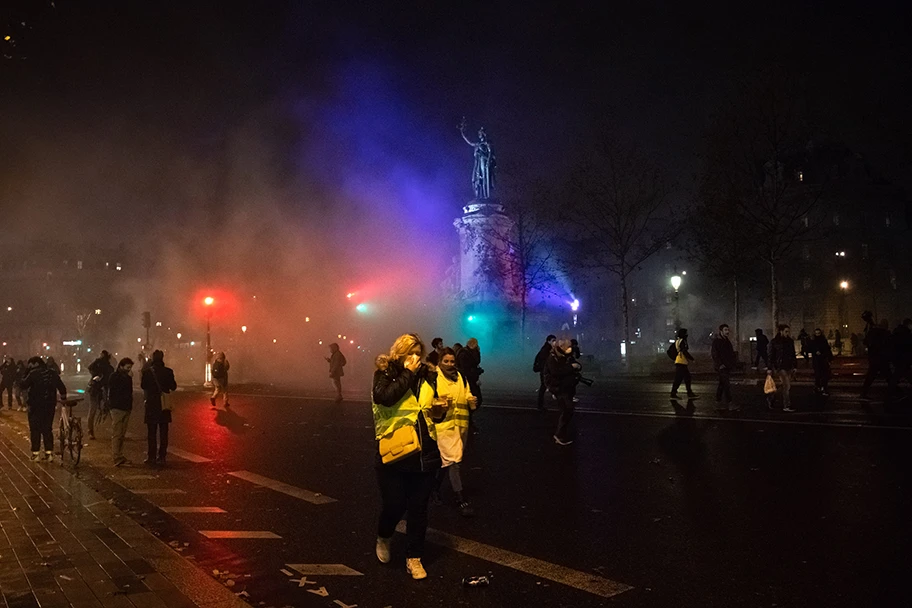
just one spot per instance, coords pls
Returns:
(757, 157)
(619, 207)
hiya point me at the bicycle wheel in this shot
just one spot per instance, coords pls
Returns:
(61, 438)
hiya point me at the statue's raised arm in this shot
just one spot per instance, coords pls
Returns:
(483, 171)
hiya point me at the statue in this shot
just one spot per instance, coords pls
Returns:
(485, 163)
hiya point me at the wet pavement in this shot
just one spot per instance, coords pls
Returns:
(655, 504)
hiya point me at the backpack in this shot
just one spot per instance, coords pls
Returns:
(672, 351)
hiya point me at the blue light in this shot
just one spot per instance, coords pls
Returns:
(362, 307)
(574, 305)
(471, 317)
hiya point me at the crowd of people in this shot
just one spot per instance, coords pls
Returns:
(38, 388)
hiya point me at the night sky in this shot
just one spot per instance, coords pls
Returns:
(151, 113)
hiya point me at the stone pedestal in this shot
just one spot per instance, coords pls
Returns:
(489, 269)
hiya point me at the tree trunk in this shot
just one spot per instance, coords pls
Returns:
(522, 322)
(774, 296)
(737, 318)
(626, 310)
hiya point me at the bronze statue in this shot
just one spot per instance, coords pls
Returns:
(485, 163)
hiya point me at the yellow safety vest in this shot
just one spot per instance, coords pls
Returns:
(460, 392)
(405, 412)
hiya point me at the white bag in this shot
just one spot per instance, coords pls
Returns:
(769, 386)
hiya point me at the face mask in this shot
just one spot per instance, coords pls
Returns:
(449, 371)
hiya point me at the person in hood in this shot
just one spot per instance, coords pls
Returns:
(156, 381)
(541, 359)
(219, 372)
(42, 386)
(821, 355)
(402, 397)
(336, 362)
(562, 376)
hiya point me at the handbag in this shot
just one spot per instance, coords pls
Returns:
(165, 397)
(399, 444)
(769, 387)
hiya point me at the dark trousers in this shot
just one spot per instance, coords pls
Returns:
(762, 354)
(41, 421)
(405, 492)
(682, 374)
(157, 449)
(337, 383)
(876, 368)
(541, 391)
(821, 373)
(725, 387)
(567, 408)
(8, 389)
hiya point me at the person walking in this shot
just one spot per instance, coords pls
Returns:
(562, 376)
(336, 362)
(101, 370)
(468, 362)
(821, 354)
(682, 369)
(539, 366)
(449, 384)
(157, 380)
(42, 386)
(724, 360)
(762, 349)
(783, 363)
(220, 367)
(21, 371)
(837, 342)
(398, 402)
(7, 380)
(120, 399)
(877, 339)
(803, 339)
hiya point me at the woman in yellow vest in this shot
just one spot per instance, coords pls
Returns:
(452, 431)
(407, 458)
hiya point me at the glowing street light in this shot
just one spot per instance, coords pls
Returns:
(178, 335)
(844, 285)
(676, 284)
(208, 301)
(244, 328)
(574, 305)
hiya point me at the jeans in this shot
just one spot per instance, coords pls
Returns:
(157, 450)
(120, 419)
(724, 389)
(405, 492)
(541, 391)
(682, 373)
(567, 407)
(41, 421)
(337, 383)
(785, 385)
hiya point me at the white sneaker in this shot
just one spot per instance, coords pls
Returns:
(414, 567)
(36, 456)
(383, 549)
(788, 409)
(49, 456)
(560, 441)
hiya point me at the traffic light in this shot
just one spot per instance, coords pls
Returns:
(146, 320)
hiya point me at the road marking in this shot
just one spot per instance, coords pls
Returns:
(324, 569)
(736, 418)
(322, 592)
(583, 581)
(159, 491)
(284, 488)
(193, 510)
(188, 456)
(239, 534)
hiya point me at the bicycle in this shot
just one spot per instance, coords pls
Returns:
(69, 431)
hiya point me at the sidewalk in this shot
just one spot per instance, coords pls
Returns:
(62, 544)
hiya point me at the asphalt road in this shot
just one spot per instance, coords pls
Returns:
(654, 505)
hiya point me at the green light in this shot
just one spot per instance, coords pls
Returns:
(362, 307)
(471, 317)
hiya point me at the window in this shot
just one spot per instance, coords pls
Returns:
(667, 244)
(807, 283)
(835, 219)
(887, 220)
(78, 264)
(668, 299)
(864, 251)
(801, 176)
(893, 279)
(806, 252)
(118, 266)
(805, 221)
(669, 322)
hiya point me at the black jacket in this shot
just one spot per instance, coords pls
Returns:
(43, 385)
(561, 377)
(762, 343)
(8, 372)
(220, 371)
(820, 350)
(541, 359)
(878, 342)
(153, 377)
(723, 353)
(782, 354)
(390, 385)
(468, 362)
(336, 363)
(101, 367)
(120, 391)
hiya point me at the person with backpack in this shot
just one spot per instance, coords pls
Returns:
(336, 362)
(42, 386)
(219, 373)
(157, 381)
(682, 357)
(538, 366)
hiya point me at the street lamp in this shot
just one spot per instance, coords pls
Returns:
(676, 284)
(208, 301)
(844, 287)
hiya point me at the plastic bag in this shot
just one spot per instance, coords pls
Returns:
(769, 387)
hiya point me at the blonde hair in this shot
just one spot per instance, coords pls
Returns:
(404, 344)
(472, 343)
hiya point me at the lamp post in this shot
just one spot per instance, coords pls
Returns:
(844, 287)
(675, 284)
(208, 301)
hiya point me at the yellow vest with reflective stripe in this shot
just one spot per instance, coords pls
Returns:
(460, 392)
(405, 412)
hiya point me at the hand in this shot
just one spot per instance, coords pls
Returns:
(577, 366)
(412, 362)
(769, 372)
